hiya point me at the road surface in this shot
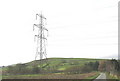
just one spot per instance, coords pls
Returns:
(101, 77)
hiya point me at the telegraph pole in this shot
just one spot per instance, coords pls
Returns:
(41, 37)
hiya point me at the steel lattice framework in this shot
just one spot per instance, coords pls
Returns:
(40, 37)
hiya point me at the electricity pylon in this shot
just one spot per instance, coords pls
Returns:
(41, 37)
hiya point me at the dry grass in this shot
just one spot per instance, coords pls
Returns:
(54, 76)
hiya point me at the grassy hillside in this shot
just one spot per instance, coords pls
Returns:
(61, 63)
(53, 66)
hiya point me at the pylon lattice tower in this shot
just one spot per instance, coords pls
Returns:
(41, 37)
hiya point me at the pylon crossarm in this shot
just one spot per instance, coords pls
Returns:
(40, 16)
(36, 36)
(36, 25)
(45, 29)
(44, 38)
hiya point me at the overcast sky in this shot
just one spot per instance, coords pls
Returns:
(77, 29)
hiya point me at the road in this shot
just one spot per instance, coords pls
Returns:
(101, 77)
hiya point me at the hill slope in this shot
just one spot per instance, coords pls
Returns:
(53, 66)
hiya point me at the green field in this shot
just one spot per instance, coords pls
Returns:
(56, 68)
(62, 63)
(64, 67)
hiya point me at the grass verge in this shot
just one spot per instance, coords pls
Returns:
(112, 77)
(91, 78)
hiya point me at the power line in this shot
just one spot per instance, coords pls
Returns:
(41, 38)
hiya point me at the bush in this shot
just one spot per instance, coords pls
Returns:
(86, 69)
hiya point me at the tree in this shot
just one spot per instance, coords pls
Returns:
(102, 66)
(95, 66)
